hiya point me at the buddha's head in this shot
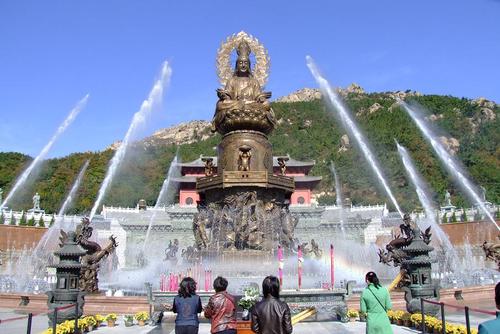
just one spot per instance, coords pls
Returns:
(243, 61)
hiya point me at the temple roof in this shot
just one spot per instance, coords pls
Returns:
(290, 163)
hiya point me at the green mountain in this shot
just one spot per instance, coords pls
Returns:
(307, 131)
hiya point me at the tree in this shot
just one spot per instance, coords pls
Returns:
(464, 215)
(477, 216)
(2, 219)
(23, 221)
(326, 200)
(13, 220)
(52, 221)
(31, 221)
(444, 220)
(41, 222)
(453, 217)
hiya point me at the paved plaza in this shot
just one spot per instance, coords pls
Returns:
(167, 327)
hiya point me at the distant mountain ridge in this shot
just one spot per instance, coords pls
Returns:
(183, 133)
(306, 131)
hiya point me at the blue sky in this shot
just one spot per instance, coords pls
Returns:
(54, 52)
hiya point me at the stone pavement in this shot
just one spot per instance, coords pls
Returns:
(301, 328)
(167, 327)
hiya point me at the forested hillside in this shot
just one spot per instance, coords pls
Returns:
(306, 131)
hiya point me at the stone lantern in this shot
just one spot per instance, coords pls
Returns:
(67, 291)
(410, 251)
(418, 267)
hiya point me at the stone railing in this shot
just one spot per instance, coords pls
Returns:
(17, 216)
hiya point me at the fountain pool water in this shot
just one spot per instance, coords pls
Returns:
(348, 122)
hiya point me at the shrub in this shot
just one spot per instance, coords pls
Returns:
(23, 221)
(111, 317)
(31, 221)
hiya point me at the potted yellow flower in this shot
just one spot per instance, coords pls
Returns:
(391, 316)
(406, 318)
(352, 314)
(398, 317)
(416, 319)
(141, 318)
(111, 319)
(91, 322)
(83, 325)
(99, 319)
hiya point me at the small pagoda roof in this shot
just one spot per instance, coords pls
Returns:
(67, 265)
(198, 163)
(307, 178)
(71, 248)
(419, 261)
(418, 245)
(185, 179)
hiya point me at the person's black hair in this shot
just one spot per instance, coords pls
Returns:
(187, 288)
(497, 295)
(271, 286)
(220, 284)
(372, 278)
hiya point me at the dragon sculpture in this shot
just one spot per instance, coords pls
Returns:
(95, 254)
(492, 251)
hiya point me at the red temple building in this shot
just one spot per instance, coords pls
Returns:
(299, 170)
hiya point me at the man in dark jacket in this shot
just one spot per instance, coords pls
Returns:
(221, 309)
(271, 315)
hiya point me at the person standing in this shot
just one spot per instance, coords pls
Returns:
(492, 326)
(187, 305)
(375, 301)
(221, 309)
(271, 315)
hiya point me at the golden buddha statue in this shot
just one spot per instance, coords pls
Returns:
(242, 103)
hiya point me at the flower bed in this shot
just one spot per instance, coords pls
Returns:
(432, 324)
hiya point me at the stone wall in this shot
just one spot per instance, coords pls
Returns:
(20, 237)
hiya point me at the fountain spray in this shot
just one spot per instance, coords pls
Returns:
(162, 199)
(36, 162)
(346, 118)
(338, 195)
(422, 193)
(154, 98)
(451, 164)
(74, 188)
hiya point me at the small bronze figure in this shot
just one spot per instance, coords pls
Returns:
(209, 166)
(244, 160)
